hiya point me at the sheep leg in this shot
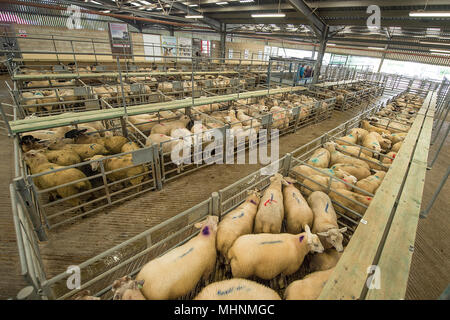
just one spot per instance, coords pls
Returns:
(282, 281)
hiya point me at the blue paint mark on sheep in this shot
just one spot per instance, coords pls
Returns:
(186, 253)
(239, 216)
(228, 291)
(314, 160)
(301, 238)
(295, 197)
(253, 202)
(91, 146)
(205, 231)
(326, 208)
(271, 242)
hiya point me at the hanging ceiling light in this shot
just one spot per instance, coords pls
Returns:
(195, 16)
(268, 15)
(425, 14)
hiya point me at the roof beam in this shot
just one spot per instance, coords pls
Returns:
(317, 24)
(215, 24)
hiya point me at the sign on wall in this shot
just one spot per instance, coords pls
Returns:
(152, 47)
(120, 40)
(169, 46)
(184, 47)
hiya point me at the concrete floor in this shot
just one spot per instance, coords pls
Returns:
(74, 243)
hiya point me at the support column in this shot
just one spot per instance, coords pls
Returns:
(322, 48)
(223, 36)
(382, 59)
(313, 51)
(171, 30)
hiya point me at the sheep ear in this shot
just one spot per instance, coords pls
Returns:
(323, 234)
(343, 230)
(198, 225)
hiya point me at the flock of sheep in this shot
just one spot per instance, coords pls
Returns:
(250, 240)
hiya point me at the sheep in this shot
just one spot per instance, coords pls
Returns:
(391, 154)
(320, 158)
(367, 126)
(357, 171)
(85, 151)
(325, 260)
(320, 183)
(237, 223)
(371, 183)
(270, 214)
(177, 272)
(143, 122)
(62, 157)
(113, 144)
(325, 221)
(85, 295)
(279, 117)
(237, 289)
(360, 133)
(309, 288)
(396, 147)
(397, 137)
(299, 215)
(383, 141)
(370, 141)
(167, 143)
(364, 199)
(127, 289)
(38, 163)
(348, 140)
(166, 127)
(268, 255)
(339, 157)
(302, 171)
(355, 151)
(129, 146)
(123, 168)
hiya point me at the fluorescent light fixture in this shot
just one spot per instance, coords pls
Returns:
(331, 44)
(106, 11)
(194, 16)
(95, 2)
(159, 8)
(221, 3)
(268, 15)
(440, 51)
(438, 43)
(145, 2)
(375, 48)
(136, 4)
(429, 14)
(192, 5)
(440, 54)
(245, 1)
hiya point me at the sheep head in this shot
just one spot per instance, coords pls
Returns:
(288, 181)
(210, 223)
(330, 146)
(276, 178)
(35, 157)
(254, 196)
(335, 237)
(121, 289)
(96, 164)
(313, 241)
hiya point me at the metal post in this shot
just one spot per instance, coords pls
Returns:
(121, 86)
(440, 147)
(424, 213)
(322, 48)
(215, 205)
(440, 126)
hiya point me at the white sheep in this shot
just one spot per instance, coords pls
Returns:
(177, 272)
(344, 200)
(127, 289)
(320, 158)
(268, 255)
(309, 288)
(371, 183)
(299, 215)
(325, 260)
(237, 223)
(270, 214)
(325, 221)
(358, 172)
(237, 289)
